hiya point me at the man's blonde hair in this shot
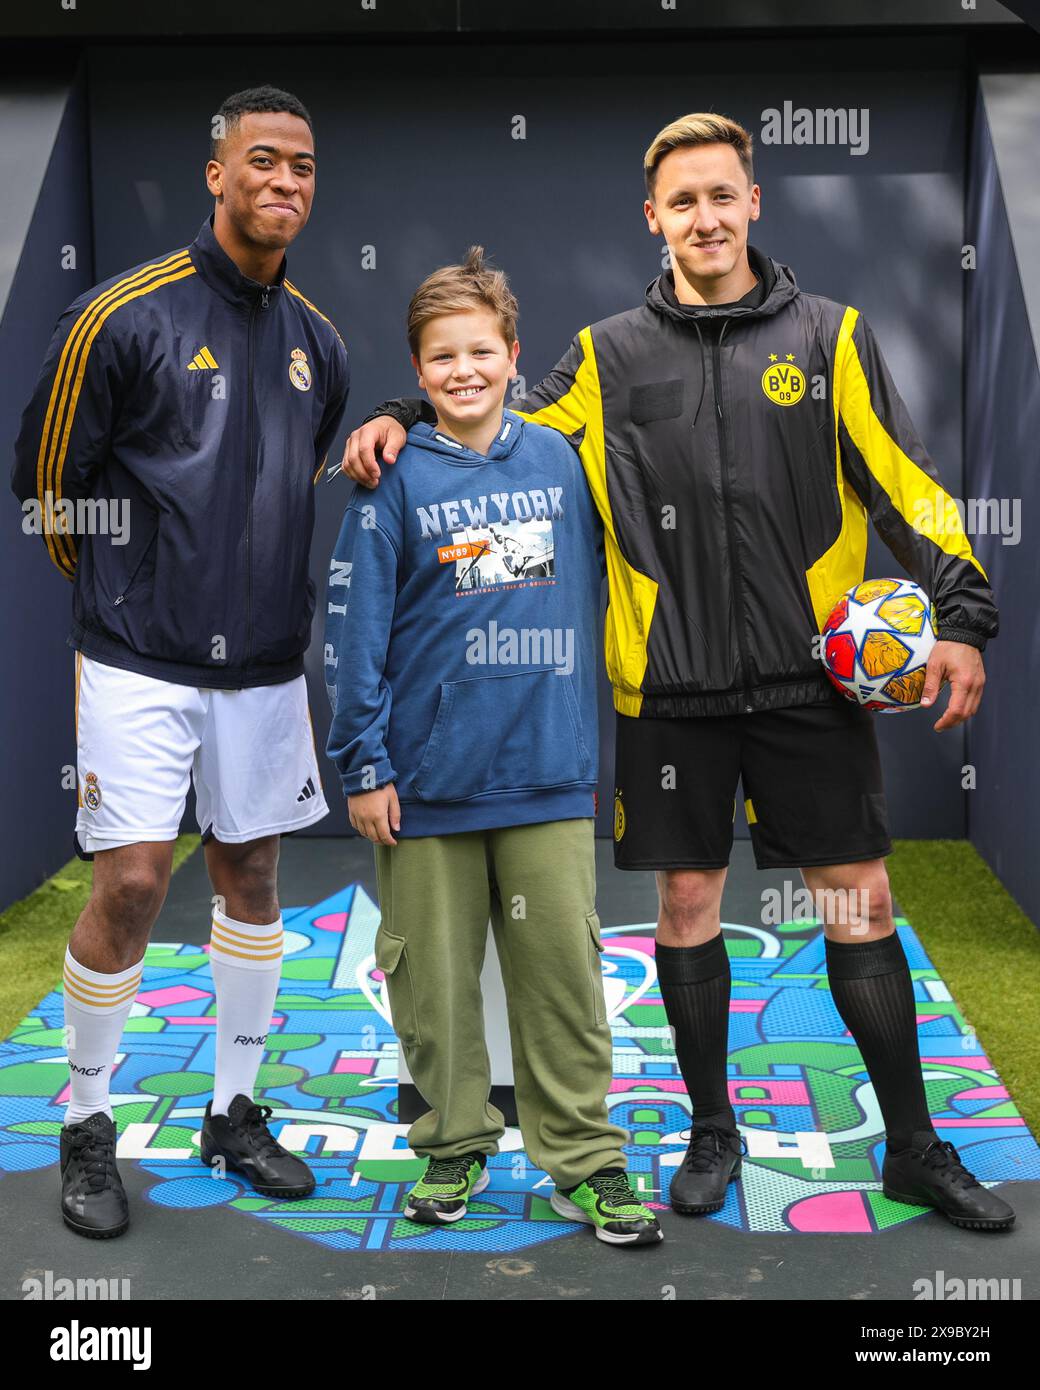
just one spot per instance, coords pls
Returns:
(456, 289)
(699, 128)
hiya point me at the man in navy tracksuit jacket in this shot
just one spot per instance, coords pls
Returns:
(168, 457)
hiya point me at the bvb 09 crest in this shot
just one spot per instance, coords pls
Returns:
(299, 370)
(783, 382)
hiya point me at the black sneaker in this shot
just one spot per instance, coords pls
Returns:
(930, 1174)
(93, 1201)
(241, 1138)
(713, 1159)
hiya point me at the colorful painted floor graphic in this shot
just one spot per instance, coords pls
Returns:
(801, 1094)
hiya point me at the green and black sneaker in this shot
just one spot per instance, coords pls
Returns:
(444, 1189)
(606, 1201)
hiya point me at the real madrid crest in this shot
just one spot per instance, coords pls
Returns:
(783, 382)
(299, 370)
(92, 791)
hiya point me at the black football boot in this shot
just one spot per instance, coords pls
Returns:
(93, 1201)
(241, 1138)
(930, 1174)
(713, 1159)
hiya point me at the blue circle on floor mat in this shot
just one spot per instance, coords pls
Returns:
(23, 1158)
(185, 1193)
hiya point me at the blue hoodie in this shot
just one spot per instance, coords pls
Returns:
(460, 649)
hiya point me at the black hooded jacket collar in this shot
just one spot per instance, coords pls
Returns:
(776, 287)
(222, 274)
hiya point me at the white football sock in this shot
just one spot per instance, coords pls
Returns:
(96, 1009)
(247, 966)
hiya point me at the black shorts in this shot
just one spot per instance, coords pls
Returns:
(811, 778)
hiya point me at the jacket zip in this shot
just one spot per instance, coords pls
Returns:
(129, 583)
(738, 580)
(260, 305)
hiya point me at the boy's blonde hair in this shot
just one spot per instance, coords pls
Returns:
(699, 128)
(455, 289)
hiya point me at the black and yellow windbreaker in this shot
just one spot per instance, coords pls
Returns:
(735, 455)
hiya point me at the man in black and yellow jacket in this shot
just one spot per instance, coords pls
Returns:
(168, 458)
(736, 434)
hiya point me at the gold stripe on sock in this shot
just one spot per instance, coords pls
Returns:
(244, 938)
(98, 1003)
(117, 989)
(225, 949)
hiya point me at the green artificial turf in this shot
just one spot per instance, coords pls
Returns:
(35, 931)
(986, 950)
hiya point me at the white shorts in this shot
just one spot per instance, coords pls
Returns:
(249, 752)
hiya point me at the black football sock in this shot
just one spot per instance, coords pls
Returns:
(695, 987)
(874, 994)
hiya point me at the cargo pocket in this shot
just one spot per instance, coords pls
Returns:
(392, 960)
(599, 1003)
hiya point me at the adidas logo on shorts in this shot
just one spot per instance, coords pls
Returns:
(308, 790)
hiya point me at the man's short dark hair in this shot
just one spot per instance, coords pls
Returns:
(253, 99)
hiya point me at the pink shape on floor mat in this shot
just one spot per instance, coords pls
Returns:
(830, 1211)
(175, 994)
(332, 921)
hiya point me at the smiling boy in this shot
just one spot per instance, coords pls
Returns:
(470, 762)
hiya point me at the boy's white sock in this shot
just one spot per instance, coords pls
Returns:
(247, 965)
(96, 1009)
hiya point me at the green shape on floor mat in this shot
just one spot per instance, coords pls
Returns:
(542, 1211)
(171, 1137)
(752, 1093)
(311, 1227)
(42, 1037)
(646, 1015)
(639, 1116)
(1006, 1110)
(35, 1078)
(836, 1108)
(49, 1127)
(888, 1214)
(144, 1025)
(272, 1074)
(132, 1112)
(340, 1002)
(392, 1170)
(178, 963)
(177, 1083)
(744, 946)
(292, 1042)
(758, 1058)
(320, 968)
(646, 1136)
(332, 1084)
(251, 1203)
(758, 1117)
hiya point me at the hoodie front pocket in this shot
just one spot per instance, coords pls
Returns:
(503, 733)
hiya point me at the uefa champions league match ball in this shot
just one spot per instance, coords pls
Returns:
(877, 641)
